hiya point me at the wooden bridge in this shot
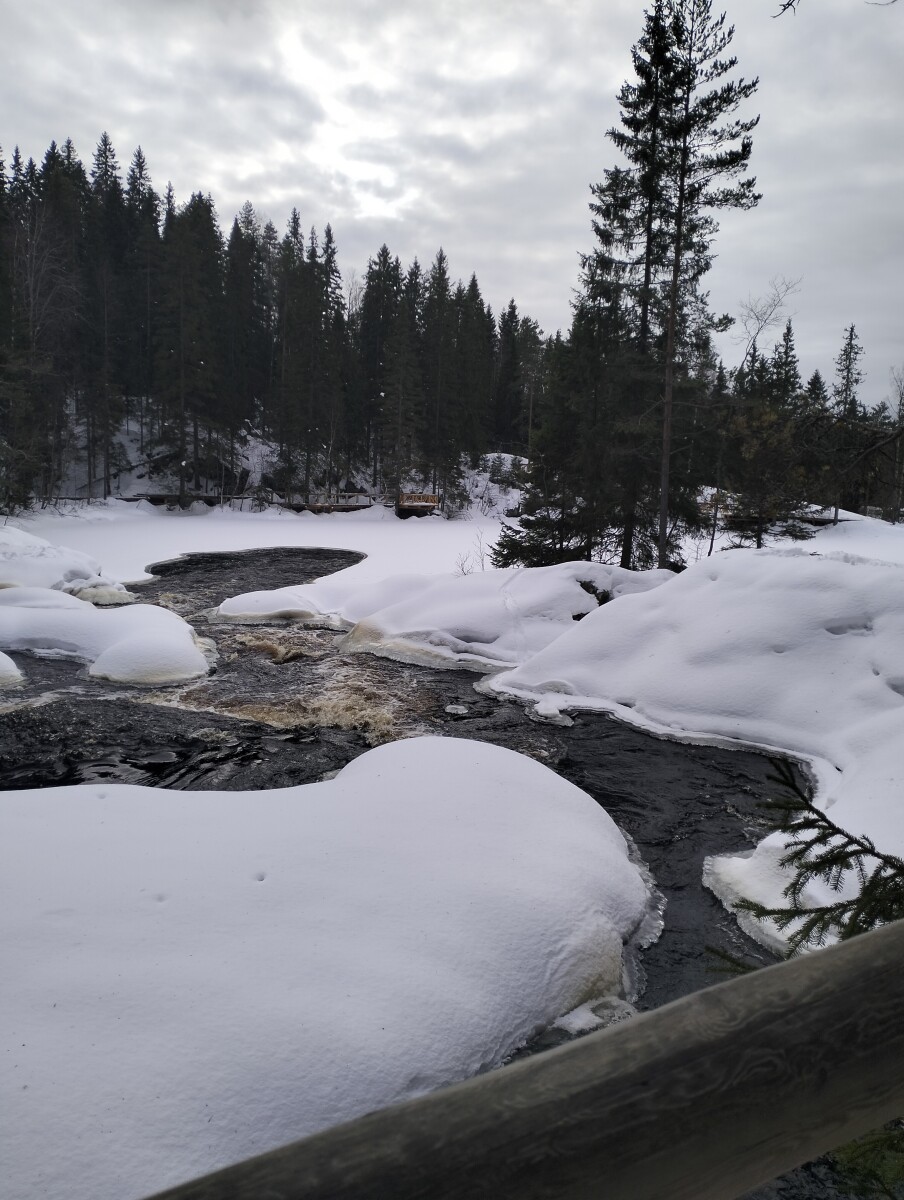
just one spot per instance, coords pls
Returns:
(703, 1099)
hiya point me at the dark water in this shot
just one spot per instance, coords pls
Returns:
(284, 705)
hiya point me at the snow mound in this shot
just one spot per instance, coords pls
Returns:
(488, 619)
(10, 675)
(196, 977)
(788, 650)
(29, 561)
(139, 644)
(339, 598)
(39, 597)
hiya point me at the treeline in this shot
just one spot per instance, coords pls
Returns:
(641, 435)
(118, 304)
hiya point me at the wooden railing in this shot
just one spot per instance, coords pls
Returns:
(702, 1099)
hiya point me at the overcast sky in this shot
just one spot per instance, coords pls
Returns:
(479, 126)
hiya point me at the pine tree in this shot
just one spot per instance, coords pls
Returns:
(402, 399)
(473, 371)
(189, 361)
(379, 310)
(765, 467)
(851, 438)
(42, 247)
(142, 269)
(437, 373)
(106, 335)
(333, 360)
(706, 159)
(630, 207)
(508, 390)
(247, 313)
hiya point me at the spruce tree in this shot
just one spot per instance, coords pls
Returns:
(379, 310)
(851, 433)
(189, 332)
(142, 269)
(706, 151)
(437, 372)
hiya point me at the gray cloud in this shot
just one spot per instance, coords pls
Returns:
(479, 129)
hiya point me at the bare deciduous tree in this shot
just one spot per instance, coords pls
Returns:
(761, 313)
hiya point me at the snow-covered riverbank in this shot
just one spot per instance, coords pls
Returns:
(796, 651)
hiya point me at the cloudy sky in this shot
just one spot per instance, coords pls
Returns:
(479, 127)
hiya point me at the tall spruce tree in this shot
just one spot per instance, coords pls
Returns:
(437, 372)
(141, 272)
(706, 151)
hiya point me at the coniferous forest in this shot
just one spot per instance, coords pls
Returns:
(120, 306)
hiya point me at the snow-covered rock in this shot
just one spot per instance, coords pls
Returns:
(194, 977)
(138, 644)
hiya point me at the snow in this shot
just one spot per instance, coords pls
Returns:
(30, 561)
(131, 536)
(232, 970)
(10, 675)
(793, 651)
(138, 644)
(191, 978)
(747, 657)
(490, 619)
(864, 537)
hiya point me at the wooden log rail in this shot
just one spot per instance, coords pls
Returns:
(702, 1099)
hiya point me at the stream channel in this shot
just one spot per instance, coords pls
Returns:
(284, 705)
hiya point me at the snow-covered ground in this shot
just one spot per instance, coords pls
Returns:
(128, 537)
(193, 978)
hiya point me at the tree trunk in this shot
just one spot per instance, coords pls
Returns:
(670, 340)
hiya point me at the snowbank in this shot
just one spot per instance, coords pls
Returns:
(30, 561)
(138, 644)
(783, 649)
(488, 619)
(195, 977)
(863, 536)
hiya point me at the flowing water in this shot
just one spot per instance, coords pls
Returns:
(286, 704)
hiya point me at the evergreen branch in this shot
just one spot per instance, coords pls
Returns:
(819, 849)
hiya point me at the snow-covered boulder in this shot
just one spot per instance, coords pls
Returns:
(194, 977)
(138, 644)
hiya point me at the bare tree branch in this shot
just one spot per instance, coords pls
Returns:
(792, 5)
(759, 313)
